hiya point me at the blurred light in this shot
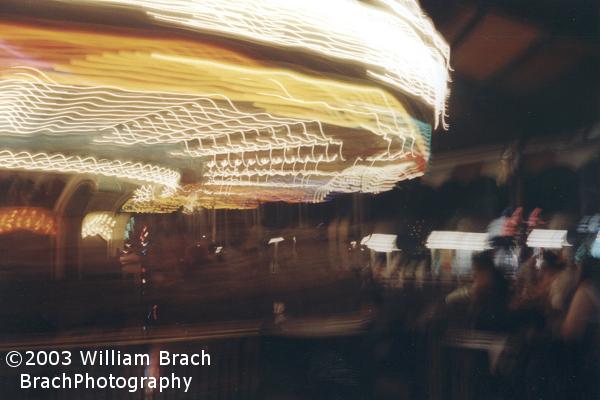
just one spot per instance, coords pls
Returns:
(32, 219)
(262, 134)
(595, 248)
(98, 223)
(24, 160)
(143, 194)
(276, 240)
(416, 61)
(589, 224)
(547, 238)
(380, 242)
(453, 240)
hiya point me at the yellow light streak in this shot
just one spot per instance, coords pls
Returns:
(415, 61)
(253, 149)
(257, 130)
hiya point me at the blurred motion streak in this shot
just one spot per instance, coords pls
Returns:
(417, 61)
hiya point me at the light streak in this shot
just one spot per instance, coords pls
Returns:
(260, 133)
(36, 220)
(98, 223)
(144, 193)
(238, 148)
(275, 240)
(415, 61)
(162, 206)
(547, 238)
(380, 242)
(37, 104)
(451, 240)
(24, 160)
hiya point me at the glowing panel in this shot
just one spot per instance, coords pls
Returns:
(88, 165)
(36, 220)
(98, 223)
(276, 240)
(451, 240)
(380, 242)
(547, 238)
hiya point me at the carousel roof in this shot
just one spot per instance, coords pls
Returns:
(225, 103)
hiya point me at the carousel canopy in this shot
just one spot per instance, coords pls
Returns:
(223, 103)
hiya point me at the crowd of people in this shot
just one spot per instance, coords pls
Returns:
(550, 310)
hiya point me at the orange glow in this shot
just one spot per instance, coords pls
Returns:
(32, 219)
(39, 46)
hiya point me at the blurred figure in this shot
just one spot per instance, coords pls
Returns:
(197, 254)
(581, 333)
(541, 357)
(563, 287)
(486, 297)
(584, 311)
(489, 292)
(539, 302)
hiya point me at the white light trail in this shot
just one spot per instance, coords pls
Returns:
(453, 240)
(547, 238)
(415, 61)
(380, 242)
(143, 194)
(98, 223)
(88, 165)
(238, 148)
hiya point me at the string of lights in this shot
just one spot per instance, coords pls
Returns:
(24, 160)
